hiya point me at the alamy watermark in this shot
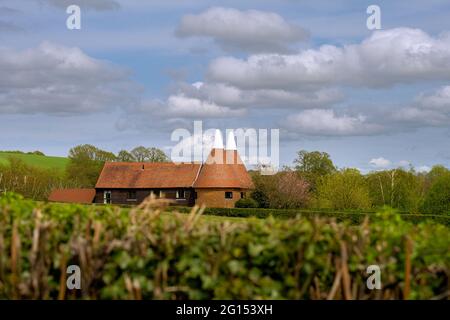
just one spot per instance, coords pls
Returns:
(74, 280)
(252, 144)
(373, 22)
(73, 22)
(374, 280)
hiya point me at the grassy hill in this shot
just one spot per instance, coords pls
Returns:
(46, 162)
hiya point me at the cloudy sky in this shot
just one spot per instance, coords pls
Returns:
(137, 70)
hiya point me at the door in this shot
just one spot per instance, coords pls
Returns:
(107, 197)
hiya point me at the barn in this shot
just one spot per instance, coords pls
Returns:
(218, 182)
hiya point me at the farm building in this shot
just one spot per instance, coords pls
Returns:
(218, 182)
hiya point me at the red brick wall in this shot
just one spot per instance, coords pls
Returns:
(215, 198)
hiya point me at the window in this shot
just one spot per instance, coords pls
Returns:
(242, 195)
(195, 194)
(180, 194)
(106, 197)
(131, 195)
(156, 193)
(228, 195)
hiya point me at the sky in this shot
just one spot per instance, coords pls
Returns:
(137, 70)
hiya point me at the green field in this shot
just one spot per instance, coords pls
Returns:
(45, 162)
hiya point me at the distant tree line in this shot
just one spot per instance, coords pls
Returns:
(85, 163)
(315, 182)
(37, 152)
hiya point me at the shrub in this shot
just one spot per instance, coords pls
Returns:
(346, 189)
(142, 253)
(37, 152)
(437, 199)
(246, 203)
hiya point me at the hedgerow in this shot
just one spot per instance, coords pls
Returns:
(352, 216)
(145, 253)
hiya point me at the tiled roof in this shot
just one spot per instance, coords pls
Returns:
(224, 169)
(72, 195)
(212, 174)
(147, 175)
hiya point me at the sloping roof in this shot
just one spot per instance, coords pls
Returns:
(223, 169)
(229, 172)
(72, 195)
(147, 175)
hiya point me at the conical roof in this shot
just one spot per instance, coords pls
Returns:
(223, 169)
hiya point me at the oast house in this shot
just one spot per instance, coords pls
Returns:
(218, 182)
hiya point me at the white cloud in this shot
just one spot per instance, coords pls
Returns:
(182, 106)
(431, 109)
(387, 57)
(234, 97)
(251, 30)
(380, 162)
(438, 100)
(326, 122)
(59, 80)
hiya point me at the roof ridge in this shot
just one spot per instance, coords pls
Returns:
(198, 173)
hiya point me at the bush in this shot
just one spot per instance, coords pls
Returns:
(437, 199)
(246, 203)
(37, 152)
(30, 181)
(142, 253)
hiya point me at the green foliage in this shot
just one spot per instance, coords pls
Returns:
(396, 188)
(86, 163)
(125, 156)
(30, 181)
(437, 200)
(140, 253)
(313, 165)
(345, 189)
(37, 152)
(246, 203)
(143, 154)
(351, 216)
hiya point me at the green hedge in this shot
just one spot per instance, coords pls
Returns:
(353, 216)
(143, 253)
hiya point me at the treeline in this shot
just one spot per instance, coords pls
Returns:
(30, 181)
(315, 182)
(86, 161)
(83, 169)
(37, 152)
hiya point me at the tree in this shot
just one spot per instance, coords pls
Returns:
(157, 155)
(143, 154)
(396, 188)
(292, 191)
(86, 162)
(282, 190)
(313, 165)
(345, 189)
(264, 184)
(140, 154)
(437, 199)
(125, 156)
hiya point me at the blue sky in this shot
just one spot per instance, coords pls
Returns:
(372, 99)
